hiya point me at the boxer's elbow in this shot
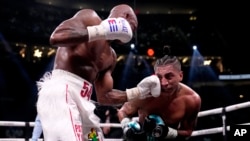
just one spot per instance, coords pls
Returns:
(189, 133)
(104, 98)
(58, 38)
(101, 99)
(185, 133)
(53, 41)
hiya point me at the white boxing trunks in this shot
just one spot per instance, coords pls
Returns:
(65, 110)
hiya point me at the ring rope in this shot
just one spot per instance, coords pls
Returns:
(227, 109)
(195, 133)
(200, 114)
(117, 125)
(21, 139)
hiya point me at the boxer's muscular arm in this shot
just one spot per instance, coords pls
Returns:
(128, 110)
(132, 129)
(73, 31)
(86, 26)
(105, 93)
(189, 122)
(148, 87)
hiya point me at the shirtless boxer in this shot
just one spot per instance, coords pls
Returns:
(83, 58)
(172, 115)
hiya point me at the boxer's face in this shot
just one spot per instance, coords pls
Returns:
(169, 77)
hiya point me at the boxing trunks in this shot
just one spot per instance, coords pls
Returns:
(65, 110)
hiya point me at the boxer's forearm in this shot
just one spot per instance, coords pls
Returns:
(113, 97)
(67, 37)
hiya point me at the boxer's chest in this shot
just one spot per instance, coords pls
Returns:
(171, 111)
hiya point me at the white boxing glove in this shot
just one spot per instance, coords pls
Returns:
(111, 29)
(149, 86)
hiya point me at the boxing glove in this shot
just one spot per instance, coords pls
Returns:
(154, 126)
(111, 29)
(131, 129)
(149, 86)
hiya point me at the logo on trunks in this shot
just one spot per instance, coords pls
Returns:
(113, 27)
(78, 129)
(93, 135)
(86, 90)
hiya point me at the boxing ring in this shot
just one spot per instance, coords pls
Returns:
(222, 111)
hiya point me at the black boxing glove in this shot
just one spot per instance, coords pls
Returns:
(154, 126)
(131, 129)
(149, 124)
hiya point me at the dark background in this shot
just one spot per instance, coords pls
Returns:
(221, 29)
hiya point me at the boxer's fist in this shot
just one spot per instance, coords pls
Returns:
(111, 29)
(154, 126)
(131, 129)
(149, 86)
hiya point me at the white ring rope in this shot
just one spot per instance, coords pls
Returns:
(21, 139)
(227, 109)
(17, 139)
(117, 125)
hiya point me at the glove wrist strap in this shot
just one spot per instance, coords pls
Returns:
(172, 133)
(96, 32)
(132, 93)
(125, 121)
